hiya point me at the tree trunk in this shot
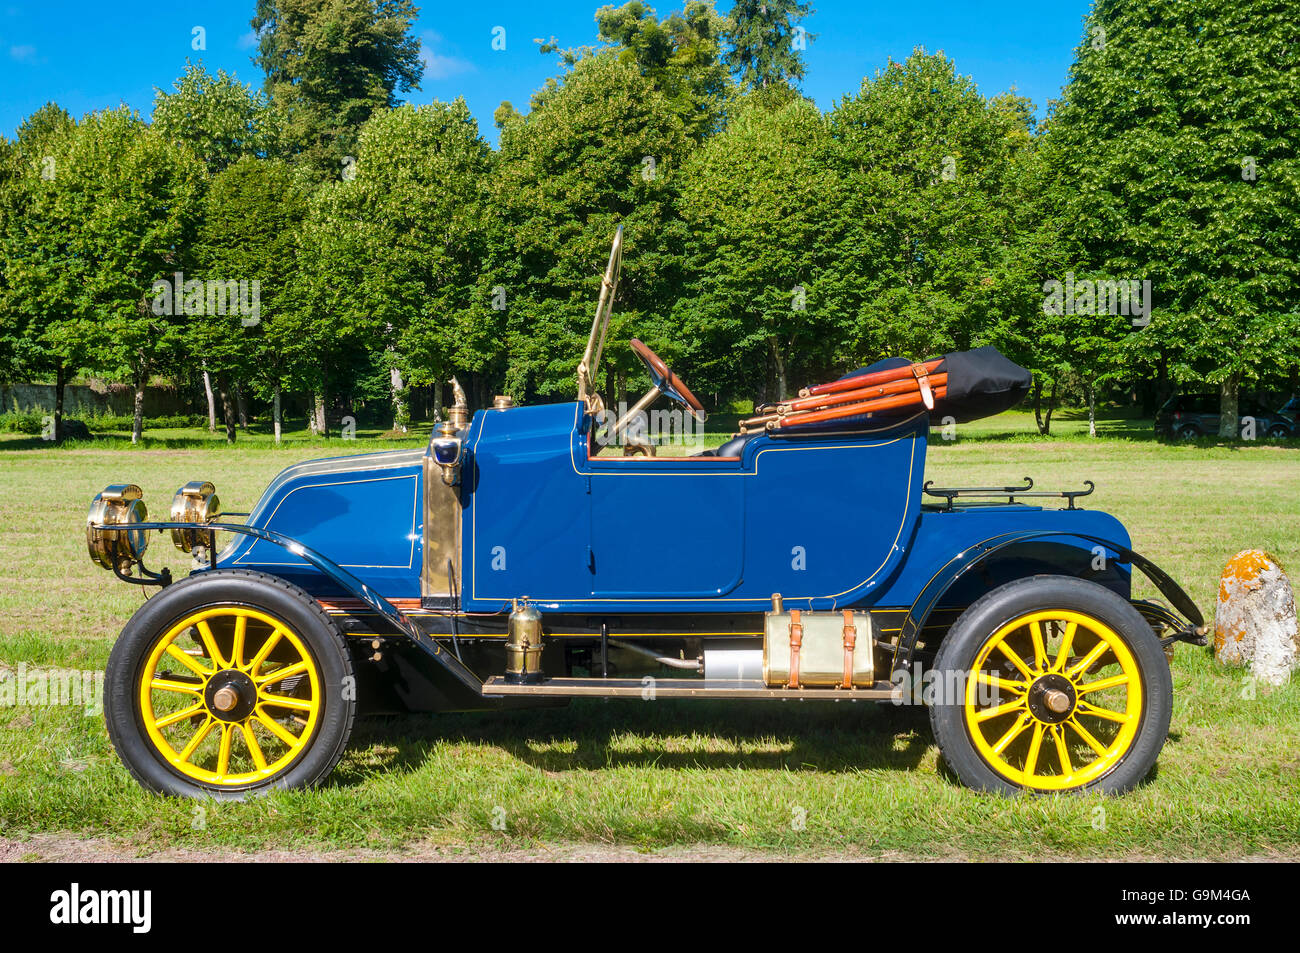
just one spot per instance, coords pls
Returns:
(1228, 419)
(137, 418)
(227, 408)
(60, 382)
(275, 411)
(779, 365)
(212, 404)
(400, 412)
(1164, 390)
(318, 412)
(437, 400)
(1044, 421)
(1092, 410)
(239, 407)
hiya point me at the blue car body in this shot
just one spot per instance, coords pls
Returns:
(829, 522)
(664, 546)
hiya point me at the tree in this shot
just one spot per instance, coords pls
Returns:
(330, 65)
(219, 118)
(401, 245)
(934, 172)
(760, 201)
(1176, 138)
(37, 279)
(767, 42)
(680, 55)
(10, 324)
(252, 214)
(599, 148)
(125, 202)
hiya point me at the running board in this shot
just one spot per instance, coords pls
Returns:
(652, 688)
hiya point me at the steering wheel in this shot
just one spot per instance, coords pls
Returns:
(668, 383)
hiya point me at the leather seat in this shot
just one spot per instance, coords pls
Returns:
(734, 447)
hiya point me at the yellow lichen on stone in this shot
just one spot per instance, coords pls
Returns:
(1255, 619)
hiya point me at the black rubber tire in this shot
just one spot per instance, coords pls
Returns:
(241, 587)
(989, 613)
(1189, 432)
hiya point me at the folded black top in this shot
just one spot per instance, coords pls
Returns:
(981, 383)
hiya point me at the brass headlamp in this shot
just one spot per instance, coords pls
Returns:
(115, 509)
(195, 502)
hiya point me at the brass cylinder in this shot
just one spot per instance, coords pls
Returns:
(524, 645)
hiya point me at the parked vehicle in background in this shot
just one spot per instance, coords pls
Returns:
(1188, 416)
(1291, 411)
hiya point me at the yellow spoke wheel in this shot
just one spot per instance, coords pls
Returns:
(227, 684)
(1074, 708)
(1051, 684)
(213, 696)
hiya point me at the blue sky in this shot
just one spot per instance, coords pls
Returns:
(88, 56)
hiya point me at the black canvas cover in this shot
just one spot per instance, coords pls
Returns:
(981, 383)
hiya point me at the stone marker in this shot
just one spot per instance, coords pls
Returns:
(1255, 619)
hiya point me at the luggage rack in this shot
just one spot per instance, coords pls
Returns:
(1010, 492)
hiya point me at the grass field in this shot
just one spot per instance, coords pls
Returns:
(864, 780)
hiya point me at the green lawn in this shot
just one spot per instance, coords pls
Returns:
(865, 779)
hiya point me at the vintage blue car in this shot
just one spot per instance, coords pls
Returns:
(533, 554)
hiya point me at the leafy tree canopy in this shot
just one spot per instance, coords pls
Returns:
(218, 117)
(1175, 142)
(681, 55)
(599, 148)
(767, 42)
(330, 64)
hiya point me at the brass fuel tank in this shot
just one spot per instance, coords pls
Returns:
(524, 645)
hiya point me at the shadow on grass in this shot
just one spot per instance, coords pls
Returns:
(1104, 434)
(594, 734)
(371, 441)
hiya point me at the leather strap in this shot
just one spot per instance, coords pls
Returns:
(796, 643)
(850, 641)
(922, 375)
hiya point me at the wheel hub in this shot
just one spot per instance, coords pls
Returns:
(230, 695)
(1052, 699)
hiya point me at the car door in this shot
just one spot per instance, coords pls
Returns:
(664, 528)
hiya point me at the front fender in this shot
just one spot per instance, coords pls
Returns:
(347, 582)
(932, 594)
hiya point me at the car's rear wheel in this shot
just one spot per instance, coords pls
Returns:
(1051, 684)
(228, 684)
(1189, 432)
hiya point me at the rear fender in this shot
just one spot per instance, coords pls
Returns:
(981, 552)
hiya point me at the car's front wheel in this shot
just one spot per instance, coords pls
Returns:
(1051, 684)
(228, 684)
